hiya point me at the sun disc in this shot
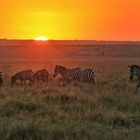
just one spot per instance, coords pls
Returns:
(41, 38)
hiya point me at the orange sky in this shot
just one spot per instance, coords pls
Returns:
(70, 19)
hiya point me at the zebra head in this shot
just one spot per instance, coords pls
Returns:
(134, 71)
(13, 79)
(1, 81)
(58, 69)
(77, 69)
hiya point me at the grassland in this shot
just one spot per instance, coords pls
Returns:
(105, 111)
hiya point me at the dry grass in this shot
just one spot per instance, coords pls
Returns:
(109, 110)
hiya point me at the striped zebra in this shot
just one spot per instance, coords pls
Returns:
(1, 81)
(41, 75)
(67, 74)
(135, 72)
(22, 76)
(87, 75)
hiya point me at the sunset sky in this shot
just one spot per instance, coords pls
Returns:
(70, 19)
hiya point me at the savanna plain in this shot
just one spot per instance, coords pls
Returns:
(82, 111)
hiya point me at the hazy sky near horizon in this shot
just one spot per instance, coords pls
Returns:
(70, 19)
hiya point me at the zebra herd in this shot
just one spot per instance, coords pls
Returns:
(68, 75)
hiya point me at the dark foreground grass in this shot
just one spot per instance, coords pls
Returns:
(65, 130)
(71, 112)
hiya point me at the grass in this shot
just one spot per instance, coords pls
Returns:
(109, 110)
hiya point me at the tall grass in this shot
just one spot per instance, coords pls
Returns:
(108, 110)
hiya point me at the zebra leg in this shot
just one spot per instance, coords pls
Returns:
(64, 82)
(38, 83)
(68, 82)
(93, 81)
(137, 88)
(1, 82)
(43, 81)
(46, 81)
(61, 81)
(30, 82)
(24, 82)
(21, 82)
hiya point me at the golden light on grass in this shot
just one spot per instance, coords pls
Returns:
(41, 38)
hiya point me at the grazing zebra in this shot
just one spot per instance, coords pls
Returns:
(41, 75)
(135, 72)
(67, 74)
(22, 76)
(1, 81)
(87, 75)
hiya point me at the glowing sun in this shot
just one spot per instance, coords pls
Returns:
(41, 38)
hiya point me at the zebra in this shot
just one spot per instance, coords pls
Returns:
(41, 75)
(22, 76)
(68, 75)
(1, 81)
(87, 75)
(135, 72)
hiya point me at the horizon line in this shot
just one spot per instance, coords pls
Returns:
(14, 39)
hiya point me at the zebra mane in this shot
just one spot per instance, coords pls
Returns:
(41, 70)
(29, 70)
(14, 76)
(60, 66)
(24, 70)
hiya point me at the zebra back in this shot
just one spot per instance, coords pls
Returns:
(87, 75)
(22, 75)
(42, 74)
(67, 74)
(74, 74)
